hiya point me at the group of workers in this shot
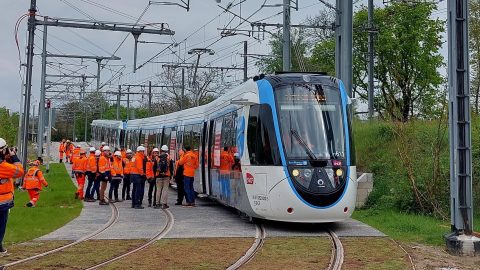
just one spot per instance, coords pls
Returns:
(101, 168)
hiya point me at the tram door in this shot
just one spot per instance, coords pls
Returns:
(210, 140)
(203, 157)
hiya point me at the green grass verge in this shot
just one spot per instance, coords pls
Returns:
(408, 228)
(55, 208)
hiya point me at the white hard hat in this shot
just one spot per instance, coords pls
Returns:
(92, 149)
(117, 153)
(140, 149)
(98, 153)
(106, 148)
(236, 155)
(129, 151)
(3, 143)
(164, 148)
(104, 143)
(155, 150)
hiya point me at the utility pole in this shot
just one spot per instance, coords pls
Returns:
(118, 101)
(33, 121)
(461, 241)
(135, 37)
(286, 36)
(49, 134)
(28, 88)
(371, 57)
(84, 107)
(149, 98)
(344, 44)
(183, 89)
(245, 63)
(41, 114)
(128, 103)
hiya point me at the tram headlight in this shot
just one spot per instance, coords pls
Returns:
(295, 172)
(339, 172)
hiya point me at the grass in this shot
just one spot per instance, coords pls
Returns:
(293, 253)
(28, 249)
(409, 228)
(373, 253)
(55, 208)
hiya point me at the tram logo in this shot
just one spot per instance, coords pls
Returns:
(250, 179)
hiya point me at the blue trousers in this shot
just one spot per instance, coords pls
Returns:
(138, 191)
(189, 192)
(96, 188)
(90, 180)
(3, 223)
(225, 186)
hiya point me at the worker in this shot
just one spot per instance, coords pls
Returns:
(226, 163)
(61, 150)
(152, 188)
(190, 164)
(79, 169)
(178, 176)
(68, 151)
(76, 152)
(90, 173)
(127, 161)
(137, 175)
(123, 152)
(104, 170)
(33, 182)
(96, 181)
(164, 172)
(117, 176)
(10, 168)
(101, 146)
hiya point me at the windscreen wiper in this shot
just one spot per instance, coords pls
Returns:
(308, 151)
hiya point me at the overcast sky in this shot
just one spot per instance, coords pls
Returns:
(192, 30)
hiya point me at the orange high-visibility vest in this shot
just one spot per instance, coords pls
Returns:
(62, 148)
(128, 166)
(79, 165)
(34, 179)
(117, 167)
(7, 173)
(104, 164)
(190, 163)
(76, 153)
(149, 169)
(91, 165)
(137, 167)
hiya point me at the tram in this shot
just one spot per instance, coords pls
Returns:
(289, 133)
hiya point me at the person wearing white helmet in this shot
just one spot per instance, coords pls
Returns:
(164, 172)
(105, 172)
(137, 174)
(97, 181)
(91, 172)
(150, 174)
(117, 176)
(10, 167)
(126, 177)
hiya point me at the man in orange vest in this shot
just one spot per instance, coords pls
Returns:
(126, 175)
(117, 176)
(178, 175)
(190, 164)
(226, 163)
(150, 174)
(104, 170)
(90, 172)
(33, 182)
(137, 175)
(10, 167)
(164, 169)
(75, 155)
(61, 150)
(79, 168)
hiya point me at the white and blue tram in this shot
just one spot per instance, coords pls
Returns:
(290, 132)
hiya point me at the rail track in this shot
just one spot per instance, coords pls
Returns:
(165, 230)
(336, 260)
(257, 245)
(113, 219)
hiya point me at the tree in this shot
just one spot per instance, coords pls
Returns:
(474, 42)
(9, 127)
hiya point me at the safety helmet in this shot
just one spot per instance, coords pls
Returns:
(236, 155)
(98, 153)
(129, 151)
(92, 149)
(106, 148)
(83, 152)
(77, 146)
(140, 149)
(155, 150)
(164, 148)
(3, 144)
(117, 153)
(68, 141)
(104, 143)
(35, 163)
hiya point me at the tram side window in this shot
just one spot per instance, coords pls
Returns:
(196, 135)
(262, 143)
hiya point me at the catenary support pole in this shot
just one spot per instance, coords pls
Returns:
(344, 44)
(118, 101)
(49, 137)
(128, 103)
(149, 98)
(183, 89)
(28, 88)
(286, 36)
(371, 57)
(41, 114)
(245, 62)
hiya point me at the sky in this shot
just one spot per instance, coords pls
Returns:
(197, 28)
